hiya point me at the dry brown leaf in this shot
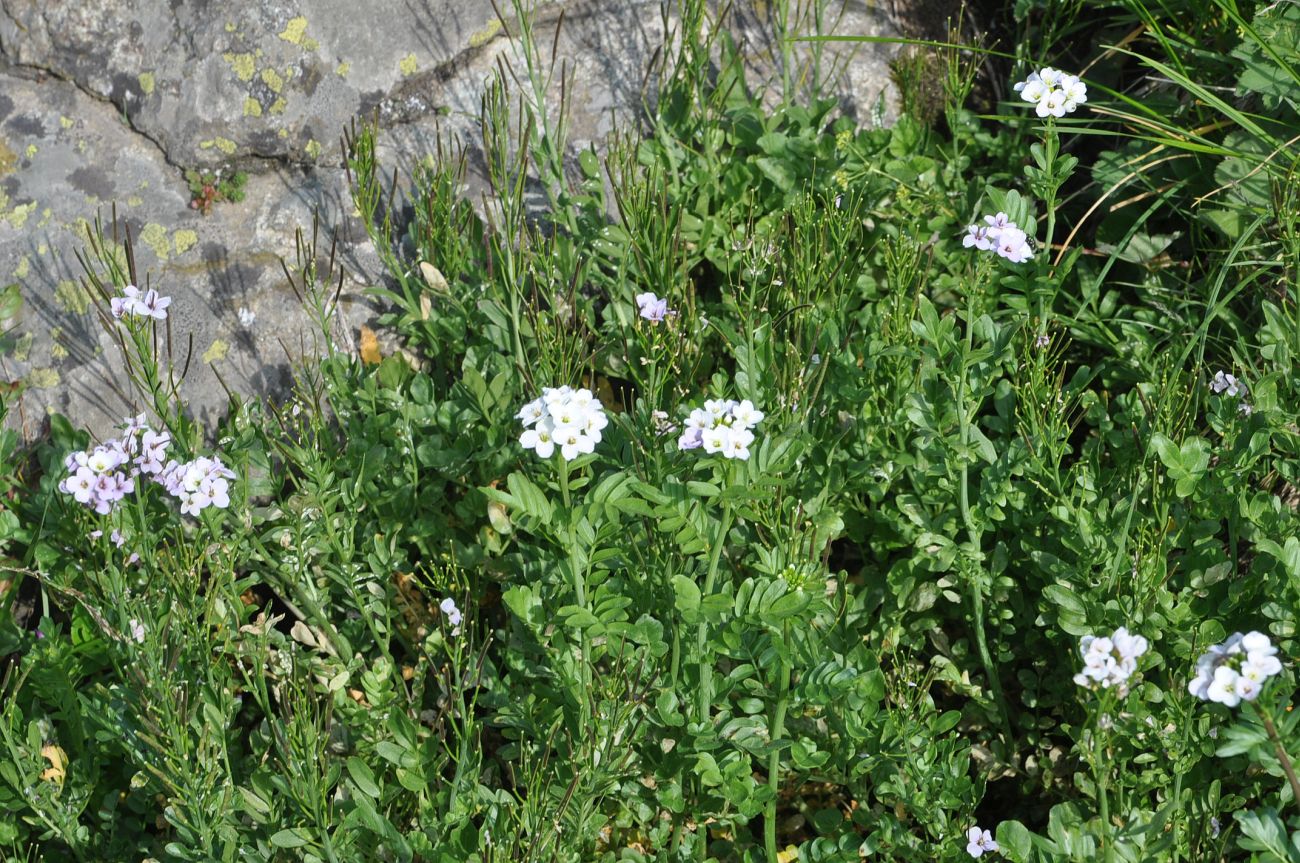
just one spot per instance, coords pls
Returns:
(370, 354)
(58, 763)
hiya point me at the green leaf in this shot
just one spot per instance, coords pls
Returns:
(530, 498)
(362, 777)
(293, 837)
(686, 598)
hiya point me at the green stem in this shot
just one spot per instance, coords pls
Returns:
(704, 695)
(579, 581)
(1103, 795)
(973, 532)
(1287, 767)
(775, 729)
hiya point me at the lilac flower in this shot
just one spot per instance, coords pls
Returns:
(1000, 235)
(980, 841)
(653, 308)
(137, 630)
(125, 304)
(199, 483)
(722, 426)
(137, 303)
(452, 613)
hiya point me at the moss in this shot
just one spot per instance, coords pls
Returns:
(294, 31)
(408, 65)
(155, 237)
(72, 297)
(147, 82)
(184, 240)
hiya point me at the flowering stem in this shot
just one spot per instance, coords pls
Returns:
(705, 694)
(1287, 767)
(579, 579)
(774, 732)
(973, 533)
(1100, 777)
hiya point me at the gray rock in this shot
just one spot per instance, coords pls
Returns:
(105, 102)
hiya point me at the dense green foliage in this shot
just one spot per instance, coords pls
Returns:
(859, 642)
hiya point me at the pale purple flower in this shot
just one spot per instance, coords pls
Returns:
(198, 484)
(153, 305)
(652, 307)
(137, 630)
(125, 304)
(722, 426)
(978, 842)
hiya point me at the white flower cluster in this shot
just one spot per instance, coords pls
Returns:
(1001, 235)
(137, 303)
(198, 484)
(1054, 92)
(721, 426)
(1227, 385)
(1110, 662)
(1236, 670)
(980, 841)
(564, 417)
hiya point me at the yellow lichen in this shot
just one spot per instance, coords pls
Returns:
(57, 350)
(43, 378)
(310, 44)
(242, 64)
(72, 297)
(294, 30)
(313, 149)
(408, 65)
(43, 249)
(273, 80)
(32, 150)
(66, 122)
(24, 267)
(230, 26)
(482, 37)
(226, 146)
(217, 351)
(134, 201)
(23, 347)
(283, 133)
(46, 215)
(342, 70)
(146, 82)
(18, 216)
(8, 159)
(155, 237)
(278, 106)
(184, 240)
(252, 107)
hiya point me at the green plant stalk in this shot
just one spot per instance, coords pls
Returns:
(704, 696)
(579, 582)
(775, 729)
(1100, 776)
(1287, 767)
(973, 532)
(1051, 145)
